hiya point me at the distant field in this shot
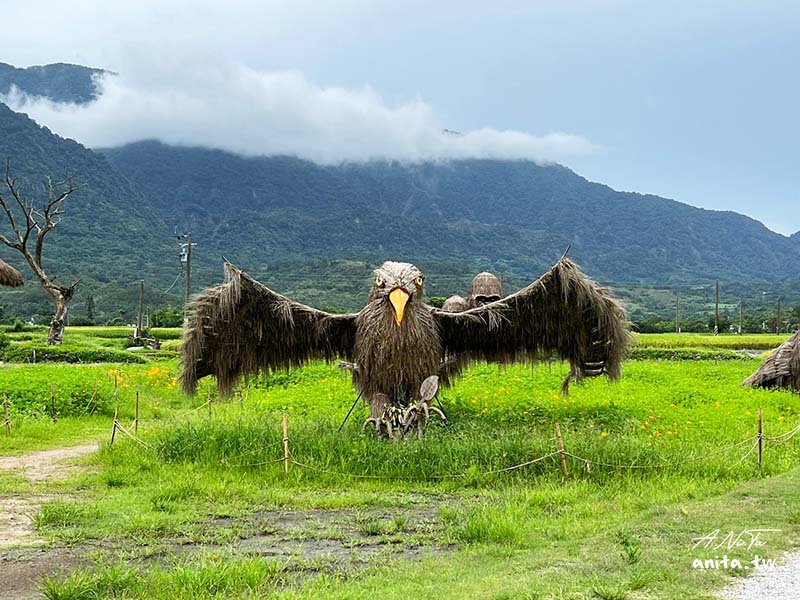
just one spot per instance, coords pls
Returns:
(110, 344)
(765, 341)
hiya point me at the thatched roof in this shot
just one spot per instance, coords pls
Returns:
(781, 369)
(455, 304)
(9, 276)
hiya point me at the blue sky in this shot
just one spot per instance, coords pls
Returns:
(694, 101)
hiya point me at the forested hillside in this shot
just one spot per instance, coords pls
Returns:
(511, 216)
(59, 82)
(110, 233)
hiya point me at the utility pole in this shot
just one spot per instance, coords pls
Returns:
(677, 313)
(778, 320)
(138, 332)
(188, 267)
(716, 312)
(741, 316)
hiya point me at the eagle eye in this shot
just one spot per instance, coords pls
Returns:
(379, 282)
(419, 281)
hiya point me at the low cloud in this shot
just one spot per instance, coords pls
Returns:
(236, 108)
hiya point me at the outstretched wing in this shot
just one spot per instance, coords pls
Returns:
(242, 327)
(563, 313)
(9, 276)
(781, 368)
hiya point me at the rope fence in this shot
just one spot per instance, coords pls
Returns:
(755, 441)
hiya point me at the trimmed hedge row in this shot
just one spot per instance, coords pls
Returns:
(23, 353)
(637, 353)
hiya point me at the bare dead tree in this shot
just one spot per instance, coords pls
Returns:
(29, 227)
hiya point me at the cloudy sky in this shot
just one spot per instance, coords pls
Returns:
(694, 101)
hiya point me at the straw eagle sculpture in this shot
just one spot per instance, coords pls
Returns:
(9, 276)
(401, 348)
(781, 369)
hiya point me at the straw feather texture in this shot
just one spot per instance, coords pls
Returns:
(9, 276)
(485, 288)
(455, 304)
(562, 314)
(781, 369)
(242, 327)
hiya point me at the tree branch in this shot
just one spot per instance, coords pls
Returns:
(8, 242)
(51, 214)
(10, 183)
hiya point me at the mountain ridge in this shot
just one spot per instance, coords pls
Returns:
(510, 215)
(60, 82)
(315, 232)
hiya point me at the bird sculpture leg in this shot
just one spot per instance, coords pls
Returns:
(418, 415)
(384, 417)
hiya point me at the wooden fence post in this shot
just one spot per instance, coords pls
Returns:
(561, 451)
(53, 402)
(760, 439)
(136, 415)
(5, 411)
(114, 428)
(286, 443)
(93, 399)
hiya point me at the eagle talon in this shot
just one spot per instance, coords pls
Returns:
(371, 421)
(419, 415)
(381, 425)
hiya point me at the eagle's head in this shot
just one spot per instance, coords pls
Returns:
(399, 285)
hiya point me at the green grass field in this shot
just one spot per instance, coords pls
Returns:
(204, 509)
(761, 341)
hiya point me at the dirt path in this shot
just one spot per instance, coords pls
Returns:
(17, 511)
(780, 583)
(22, 568)
(47, 464)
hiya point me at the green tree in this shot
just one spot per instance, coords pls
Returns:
(793, 317)
(436, 301)
(168, 316)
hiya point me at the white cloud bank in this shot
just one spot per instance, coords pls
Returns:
(235, 108)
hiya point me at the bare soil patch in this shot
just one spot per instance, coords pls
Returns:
(47, 464)
(23, 568)
(342, 539)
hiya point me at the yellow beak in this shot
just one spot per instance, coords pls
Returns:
(398, 297)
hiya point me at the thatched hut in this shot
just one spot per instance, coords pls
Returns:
(485, 288)
(781, 369)
(455, 304)
(9, 276)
